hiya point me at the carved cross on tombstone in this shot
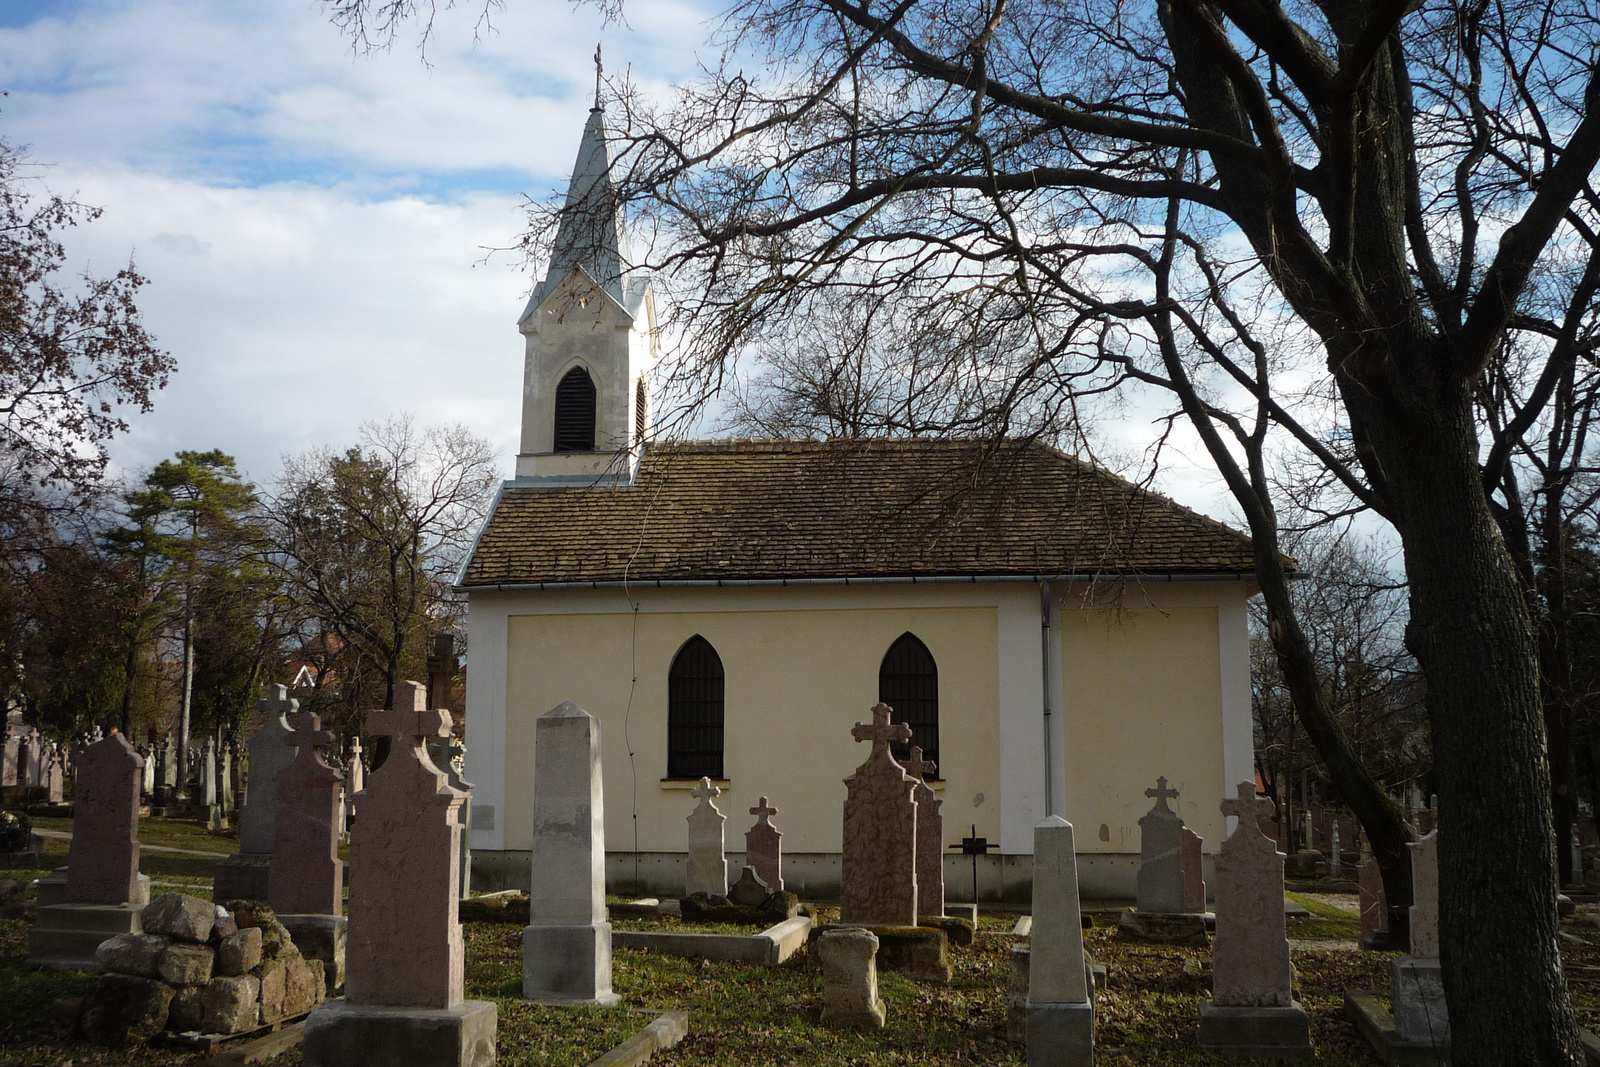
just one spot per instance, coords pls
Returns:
(1161, 794)
(920, 768)
(704, 790)
(764, 812)
(882, 732)
(1246, 806)
(708, 866)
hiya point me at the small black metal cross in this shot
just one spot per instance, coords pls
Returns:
(975, 846)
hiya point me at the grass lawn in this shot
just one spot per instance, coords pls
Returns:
(752, 1016)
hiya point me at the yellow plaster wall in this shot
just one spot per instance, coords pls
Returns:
(796, 681)
(1141, 696)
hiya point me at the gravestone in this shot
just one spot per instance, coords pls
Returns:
(448, 755)
(403, 1000)
(1194, 878)
(763, 846)
(54, 775)
(148, 778)
(708, 866)
(104, 890)
(225, 780)
(1060, 1016)
(1335, 858)
(1252, 1011)
(169, 768)
(930, 838)
(1416, 984)
(210, 809)
(13, 748)
(306, 876)
(878, 873)
(1161, 855)
(1374, 905)
(566, 946)
(245, 875)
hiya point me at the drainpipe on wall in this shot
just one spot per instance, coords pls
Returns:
(1044, 661)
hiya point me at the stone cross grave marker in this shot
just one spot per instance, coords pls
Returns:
(208, 773)
(307, 876)
(566, 946)
(1250, 956)
(1161, 888)
(763, 846)
(930, 837)
(708, 864)
(54, 774)
(13, 748)
(103, 859)
(357, 770)
(405, 947)
(270, 751)
(1425, 894)
(1194, 879)
(878, 875)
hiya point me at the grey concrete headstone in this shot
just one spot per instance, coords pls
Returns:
(1161, 854)
(270, 752)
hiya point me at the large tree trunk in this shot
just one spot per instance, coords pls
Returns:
(1471, 635)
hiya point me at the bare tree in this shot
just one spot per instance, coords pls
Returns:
(1312, 227)
(368, 541)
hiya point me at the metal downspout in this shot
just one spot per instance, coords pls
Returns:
(1044, 662)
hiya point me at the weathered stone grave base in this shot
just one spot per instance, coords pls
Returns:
(319, 937)
(52, 889)
(969, 912)
(242, 876)
(1060, 1035)
(1162, 928)
(918, 952)
(64, 936)
(1363, 1008)
(341, 1034)
(1278, 1033)
(568, 965)
(1416, 985)
(957, 930)
(1017, 989)
(698, 907)
(850, 999)
(770, 947)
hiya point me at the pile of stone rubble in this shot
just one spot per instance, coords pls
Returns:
(201, 967)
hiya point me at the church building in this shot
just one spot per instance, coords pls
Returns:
(1055, 636)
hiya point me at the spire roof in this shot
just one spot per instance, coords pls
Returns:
(590, 234)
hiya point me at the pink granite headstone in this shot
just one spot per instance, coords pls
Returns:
(1374, 905)
(763, 847)
(1250, 956)
(307, 876)
(878, 875)
(1194, 877)
(103, 859)
(930, 837)
(405, 947)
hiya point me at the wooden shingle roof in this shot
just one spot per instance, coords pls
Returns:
(848, 509)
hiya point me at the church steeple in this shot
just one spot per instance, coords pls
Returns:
(590, 329)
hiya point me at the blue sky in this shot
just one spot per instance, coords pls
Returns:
(313, 222)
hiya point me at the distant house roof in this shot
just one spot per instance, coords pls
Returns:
(738, 511)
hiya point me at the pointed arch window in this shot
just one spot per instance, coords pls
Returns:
(694, 711)
(908, 681)
(575, 412)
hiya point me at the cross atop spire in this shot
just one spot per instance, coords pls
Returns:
(882, 732)
(599, 69)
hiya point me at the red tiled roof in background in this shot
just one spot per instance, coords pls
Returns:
(769, 510)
